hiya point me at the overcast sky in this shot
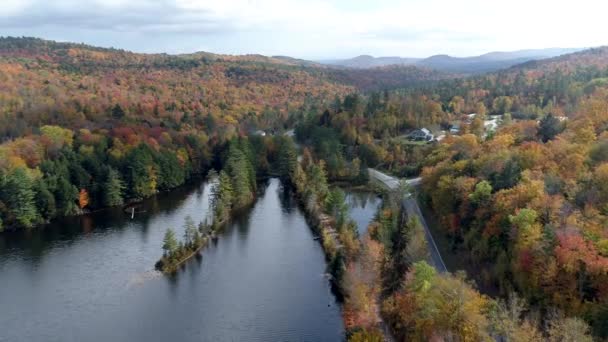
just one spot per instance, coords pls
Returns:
(312, 29)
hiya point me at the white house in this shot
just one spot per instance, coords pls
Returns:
(422, 134)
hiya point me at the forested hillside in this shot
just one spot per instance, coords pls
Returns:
(78, 86)
(527, 90)
(73, 85)
(529, 203)
(84, 127)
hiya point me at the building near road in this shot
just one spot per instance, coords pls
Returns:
(455, 128)
(421, 134)
(492, 123)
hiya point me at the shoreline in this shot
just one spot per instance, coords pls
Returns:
(84, 212)
(215, 227)
(159, 266)
(323, 225)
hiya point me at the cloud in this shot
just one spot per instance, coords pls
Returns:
(114, 15)
(314, 27)
(156, 15)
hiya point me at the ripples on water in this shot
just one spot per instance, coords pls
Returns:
(140, 278)
(89, 278)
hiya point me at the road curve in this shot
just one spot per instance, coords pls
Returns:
(411, 206)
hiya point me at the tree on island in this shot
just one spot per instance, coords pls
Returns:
(170, 243)
(191, 235)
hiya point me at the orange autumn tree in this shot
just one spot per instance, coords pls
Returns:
(83, 198)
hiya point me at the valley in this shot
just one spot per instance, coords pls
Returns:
(267, 190)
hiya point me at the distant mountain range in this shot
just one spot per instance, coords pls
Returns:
(470, 65)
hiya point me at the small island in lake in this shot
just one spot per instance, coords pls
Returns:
(175, 252)
(235, 189)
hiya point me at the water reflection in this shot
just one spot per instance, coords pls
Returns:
(363, 206)
(90, 278)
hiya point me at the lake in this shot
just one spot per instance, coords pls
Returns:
(91, 278)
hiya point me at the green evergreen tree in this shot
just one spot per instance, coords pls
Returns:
(318, 181)
(190, 231)
(45, 201)
(222, 197)
(287, 159)
(549, 127)
(113, 189)
(171, 174)
(141, 172)
(242, 175)
(363, 176)
(335, 205)
(118, 112)
(170, 243)
(19, 196)
(336, 267)
(66, 195)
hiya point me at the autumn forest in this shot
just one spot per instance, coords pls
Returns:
(514, 179)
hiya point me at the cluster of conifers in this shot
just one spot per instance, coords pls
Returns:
(234, 188)
(175, 252)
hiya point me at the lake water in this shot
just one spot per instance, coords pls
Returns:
(362, 207)
(91, 278)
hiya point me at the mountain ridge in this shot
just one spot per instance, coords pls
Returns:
(491, 61)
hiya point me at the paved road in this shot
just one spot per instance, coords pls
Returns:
(411, 206)
(391, 182)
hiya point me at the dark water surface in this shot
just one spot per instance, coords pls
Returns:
(90, 278)
(362, 207)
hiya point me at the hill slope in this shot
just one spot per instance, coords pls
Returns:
(367, 61)
(531, 202)
(45, 82)
(492, 61)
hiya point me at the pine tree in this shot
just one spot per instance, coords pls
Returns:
(19, 196)
(363, 175)
(287, 159)
(170, 243)
(66, 195)
(549, 127)
(114, 188)
(335, 204)
(171, 174)
(318, 180)
(118, 112)
(190, 231)
(142, 177)
(242, 175)
(222, 197)
(45, 201)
